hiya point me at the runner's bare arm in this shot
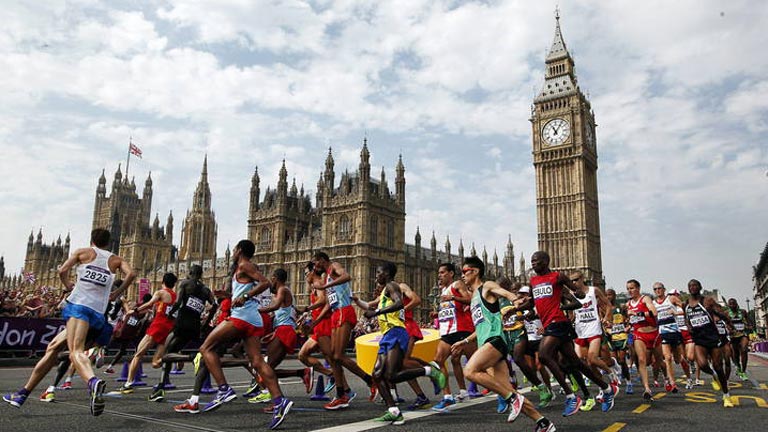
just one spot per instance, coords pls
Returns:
(603, 304)
(466, 297)
(458, 347)
(341, 276)
(568, 302)
(277, 301)
(411, 294)
(397, 301)
(70, 263)
(649, 304)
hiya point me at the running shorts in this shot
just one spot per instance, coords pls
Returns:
(413, 330)
(266, 318)
(343, 315)
(673, 339)
(532, 347)
(499, 344)
(288, 337)
(396, 336)
(651, 339)
(159, 331)
(105, 335)
(514, 337)
(247, 328)
(452, 338)
(618, 345)
(322, 329)
(560, 330)
(584, 342)
(687, 339)
(84, 313)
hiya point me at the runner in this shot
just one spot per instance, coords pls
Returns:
(723, 330)
(455, 324)
(343, 319)
(687, 362)
(490, 303)
(699, 311)
(126, 331)
(284, 340)
(84, 310)
(245, 322)
(394, 342)
(671, 338)
(534, 331)
(548, 293)
(158, 331)
(320, 328)
(192, 299)
(411, 300)
(642, 317)
(617, 327)
(739, 340)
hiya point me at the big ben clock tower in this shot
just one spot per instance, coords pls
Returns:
(565, 158)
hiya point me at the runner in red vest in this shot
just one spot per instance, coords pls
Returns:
(642, 317)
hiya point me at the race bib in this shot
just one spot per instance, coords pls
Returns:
(587, 315)
(739, 326)
(542, 291)
(477, 315)
(333, 298)
(512, 321)
(195, 304)
(95, 275)
(447, 312)
(699, 321)
(680, 321)
(635, 319)
(132, 321)
(617, 328)
(531, 328)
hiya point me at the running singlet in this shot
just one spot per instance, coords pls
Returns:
(487, 321)
(162, 310)
(666, 316)
(339, 296)
(618, 328)
(94, 283)
(546, 291)
(264, 300)
(390, 320)
(249, 311)
(737, 320)
(453, 316)
(721, 329)
(703, 329)
(532, 329)
(587, 316)
(285, 316)
(316, 311)
(636, 321)
(680, 318)
(193, 307)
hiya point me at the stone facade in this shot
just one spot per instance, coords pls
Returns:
(565, 159)
(199, 229)
(760, 291)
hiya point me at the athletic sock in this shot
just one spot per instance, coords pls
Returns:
(193, 399)
(394, 410)
(427, 370)
(393, 392)
(51, 389)
(571, 396)
(339, 392)
(223, 387)
(510, 397)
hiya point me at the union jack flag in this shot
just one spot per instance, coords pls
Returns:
(134, 150)
(29, 277)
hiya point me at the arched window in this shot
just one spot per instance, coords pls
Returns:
(345, 228)
(265, 239)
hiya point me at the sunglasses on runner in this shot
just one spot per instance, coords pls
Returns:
(466, 270)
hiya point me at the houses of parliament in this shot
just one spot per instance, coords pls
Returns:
(358, 218)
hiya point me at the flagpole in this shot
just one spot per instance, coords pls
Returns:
(128, 158)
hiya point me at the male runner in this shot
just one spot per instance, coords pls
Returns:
(490, 303)
(534, 331)
(126, 331)
(699, 312)
(192, 298)
(739, 340)
(642, 317)
(671, 337)
(158, 330)
(548, 294)
(394, 342)
(617, 327)
(688, 349)
(284, 340)
(454, 324)
(245, 322)
(84, 310)
(343, 320)
(320, 328)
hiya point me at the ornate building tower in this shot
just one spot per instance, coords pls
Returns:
(565, 159)
(199, 229)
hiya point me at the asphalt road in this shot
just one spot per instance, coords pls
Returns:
(699, 409)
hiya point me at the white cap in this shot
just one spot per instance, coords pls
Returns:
(524, 289)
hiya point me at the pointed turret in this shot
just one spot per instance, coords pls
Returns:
(329, 174)
(365, 167)
(39, 240)
(448, 247)
(558, 49)
(282, 182)
(2, 268)
(202, 198)
(461, 249)
(400, 182)
(30, 241)
(169, 228)
(473, 252)
(148, 182)
(255, 193)
(560, 77)
(320, 192)
(294, 189)
(118, 176)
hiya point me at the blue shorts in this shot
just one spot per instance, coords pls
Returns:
(94, 319)
(105, 335)
(396, 336)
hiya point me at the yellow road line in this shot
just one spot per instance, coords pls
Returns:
(658, 396)
(641, 409)
(616, 427)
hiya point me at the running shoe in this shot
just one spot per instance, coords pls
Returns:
(253, 389)
(97, 398)
(15, 399)
(337, 403)
(221, 398)
(647, 396)
(443, 405)
(629, 389)
(196, 362)
(434, 365)
(420, 403)
(372, 393)
(715, 384)
(309, 379)
(674, 388)
(109, 370)
(48, 396)
(351, 395)
(727, 403)
(655, 383)
(157, 395)
(607, 402)
(588, 405)
(330, 385)
(187, 407)
(515, 406)
(574, 384)
(743, 376)
(572, 405)
(125, 389)
(262, 397)
(437, 377)
(502, 405)
(67, 385)
(667, 386)
(100, 359)
(279, 413)
(390, 418)
(544, 425)
(699, 382)
(688, 384)
(462, 396)
(545, 396)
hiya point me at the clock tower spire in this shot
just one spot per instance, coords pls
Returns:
(565, 159)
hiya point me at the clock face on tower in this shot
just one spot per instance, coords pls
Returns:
(555, 132)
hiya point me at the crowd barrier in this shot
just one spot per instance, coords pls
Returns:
(761, 347)
(28, 334)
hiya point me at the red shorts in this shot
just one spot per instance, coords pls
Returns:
(413, 330)
(322, 329)
(267, 320)
(288, 337)
(687, 339)
(584, 342)
(159, 330)
(342, 315)
(651, 339)
(249, 329)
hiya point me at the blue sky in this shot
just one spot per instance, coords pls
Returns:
(680, 93)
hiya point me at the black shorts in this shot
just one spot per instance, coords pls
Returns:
(560, 330)
(500, 344)
(736, 340)
(671, 339)
(187, 333)
(708, 343)
(452, 338)
(532, 347)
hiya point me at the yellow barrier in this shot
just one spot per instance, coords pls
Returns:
(367, 347)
